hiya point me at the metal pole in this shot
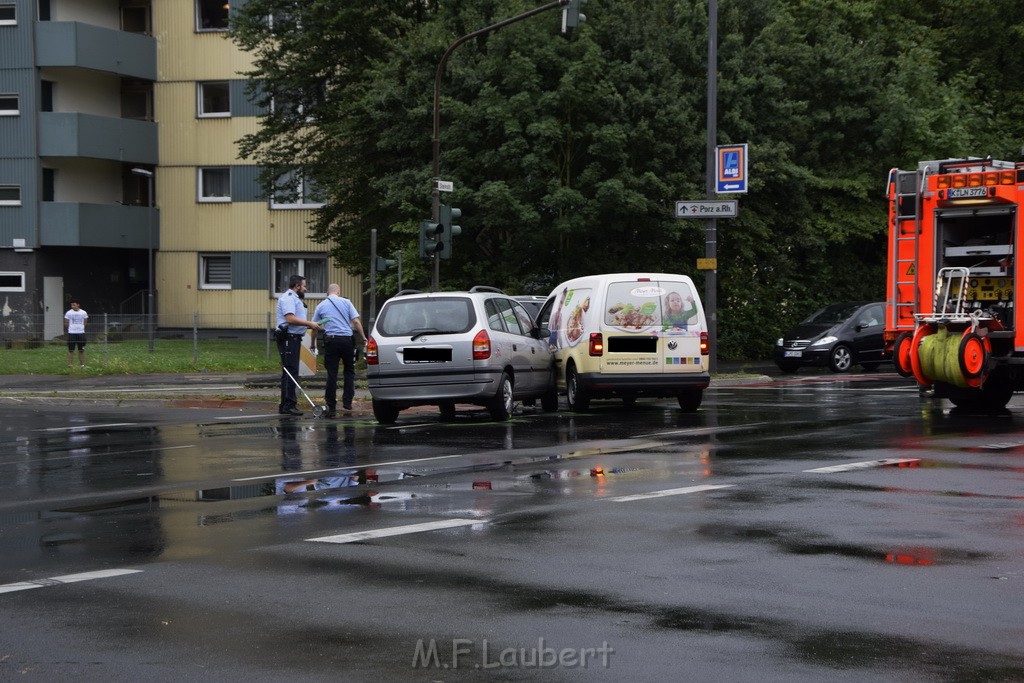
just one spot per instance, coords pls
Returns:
(373, 277)
(148, 175)
(711, 244)
(435, 194)
(152, 319)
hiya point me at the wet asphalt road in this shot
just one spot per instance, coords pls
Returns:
(821, 528)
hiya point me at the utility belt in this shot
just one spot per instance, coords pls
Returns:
(331, 337)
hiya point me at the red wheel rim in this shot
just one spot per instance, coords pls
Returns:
(901, 354)
(973, 355)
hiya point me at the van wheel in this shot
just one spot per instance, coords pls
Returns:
(501, 405)
(574, 393)
(386, 413)
(689, 400)
(447, 411)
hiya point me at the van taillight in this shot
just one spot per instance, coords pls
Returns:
(704, 347)
(371, 351)
(481, 345)
(596, 344)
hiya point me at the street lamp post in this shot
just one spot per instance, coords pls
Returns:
(148, 175)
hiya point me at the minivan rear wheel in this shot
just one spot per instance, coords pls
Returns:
(574, 393)
(501, 405)
(689, 400)
(386, 413)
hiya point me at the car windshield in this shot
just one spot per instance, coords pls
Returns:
(408, 317)
(833, 314)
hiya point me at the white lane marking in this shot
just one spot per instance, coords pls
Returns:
(106, 453)
(335, 469)
(703, 430)
(247, 417)
(67, 578)
(670, 492)
(863, 465)
(84, 428)
(397, 531)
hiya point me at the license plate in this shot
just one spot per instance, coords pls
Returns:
(792, 354)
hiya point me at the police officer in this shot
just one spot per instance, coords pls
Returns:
(340, 319)
(291, 313)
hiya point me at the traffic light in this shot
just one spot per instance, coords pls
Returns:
(384, 263)
(571, 15)
(447, 230)
(428, 238)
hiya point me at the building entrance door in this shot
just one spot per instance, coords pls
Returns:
(53, 307)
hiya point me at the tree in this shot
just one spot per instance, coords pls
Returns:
(567, 155)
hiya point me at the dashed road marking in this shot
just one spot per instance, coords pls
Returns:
(67, 578)
(868, 464)
(670, 492)
(396, 531)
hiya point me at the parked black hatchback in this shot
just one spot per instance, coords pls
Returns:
(838, 336)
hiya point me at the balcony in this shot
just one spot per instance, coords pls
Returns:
(72, 224)
(74, 44)
(97, 137)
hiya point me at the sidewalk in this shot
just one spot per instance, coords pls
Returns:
(246, 391)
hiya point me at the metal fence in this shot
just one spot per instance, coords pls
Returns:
(30, 331)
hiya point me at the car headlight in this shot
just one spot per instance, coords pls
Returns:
(779, 342)
(825, 341)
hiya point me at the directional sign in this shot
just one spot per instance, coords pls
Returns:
(727, 208)
(731, 168)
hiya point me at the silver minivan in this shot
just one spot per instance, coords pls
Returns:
(441, 348)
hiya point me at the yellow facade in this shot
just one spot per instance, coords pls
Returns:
(190, 228)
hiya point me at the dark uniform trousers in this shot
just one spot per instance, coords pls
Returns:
(339, 348)
(289, 350)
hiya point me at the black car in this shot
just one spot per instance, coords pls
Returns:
(837, 336)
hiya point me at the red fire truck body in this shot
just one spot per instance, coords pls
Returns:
(951, 286)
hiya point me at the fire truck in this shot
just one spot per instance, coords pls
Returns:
(950, 292)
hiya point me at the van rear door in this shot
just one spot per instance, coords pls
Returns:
(652, 326)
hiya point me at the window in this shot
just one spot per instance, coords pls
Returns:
(49, 189)
(215, 271)
(8, 16)
(313, 268)
(212, 15)
(12, 282)
(8, 105)
(10, 195)
(46, 95)
(292, 191)
(214, 185)
(214, 98)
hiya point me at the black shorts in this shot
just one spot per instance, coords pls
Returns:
(76, 340)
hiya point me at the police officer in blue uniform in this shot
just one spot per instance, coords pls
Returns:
(291, 318)
(340, 320)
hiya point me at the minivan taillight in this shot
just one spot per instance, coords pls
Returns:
(481, 345)
(705, 348)
(371, 351)
(596, 344)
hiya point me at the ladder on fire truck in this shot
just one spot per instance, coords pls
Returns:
(903, 190)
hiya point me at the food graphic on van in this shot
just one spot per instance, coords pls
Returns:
(574, 327)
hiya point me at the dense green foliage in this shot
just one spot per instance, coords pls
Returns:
(568, 154)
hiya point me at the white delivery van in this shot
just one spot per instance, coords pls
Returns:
(625, 335)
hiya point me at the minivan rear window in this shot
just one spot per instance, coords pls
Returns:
(442, 315)
(636, 305)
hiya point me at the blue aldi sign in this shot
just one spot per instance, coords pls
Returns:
(730, 168)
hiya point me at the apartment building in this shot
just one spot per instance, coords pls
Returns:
(119, 170)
